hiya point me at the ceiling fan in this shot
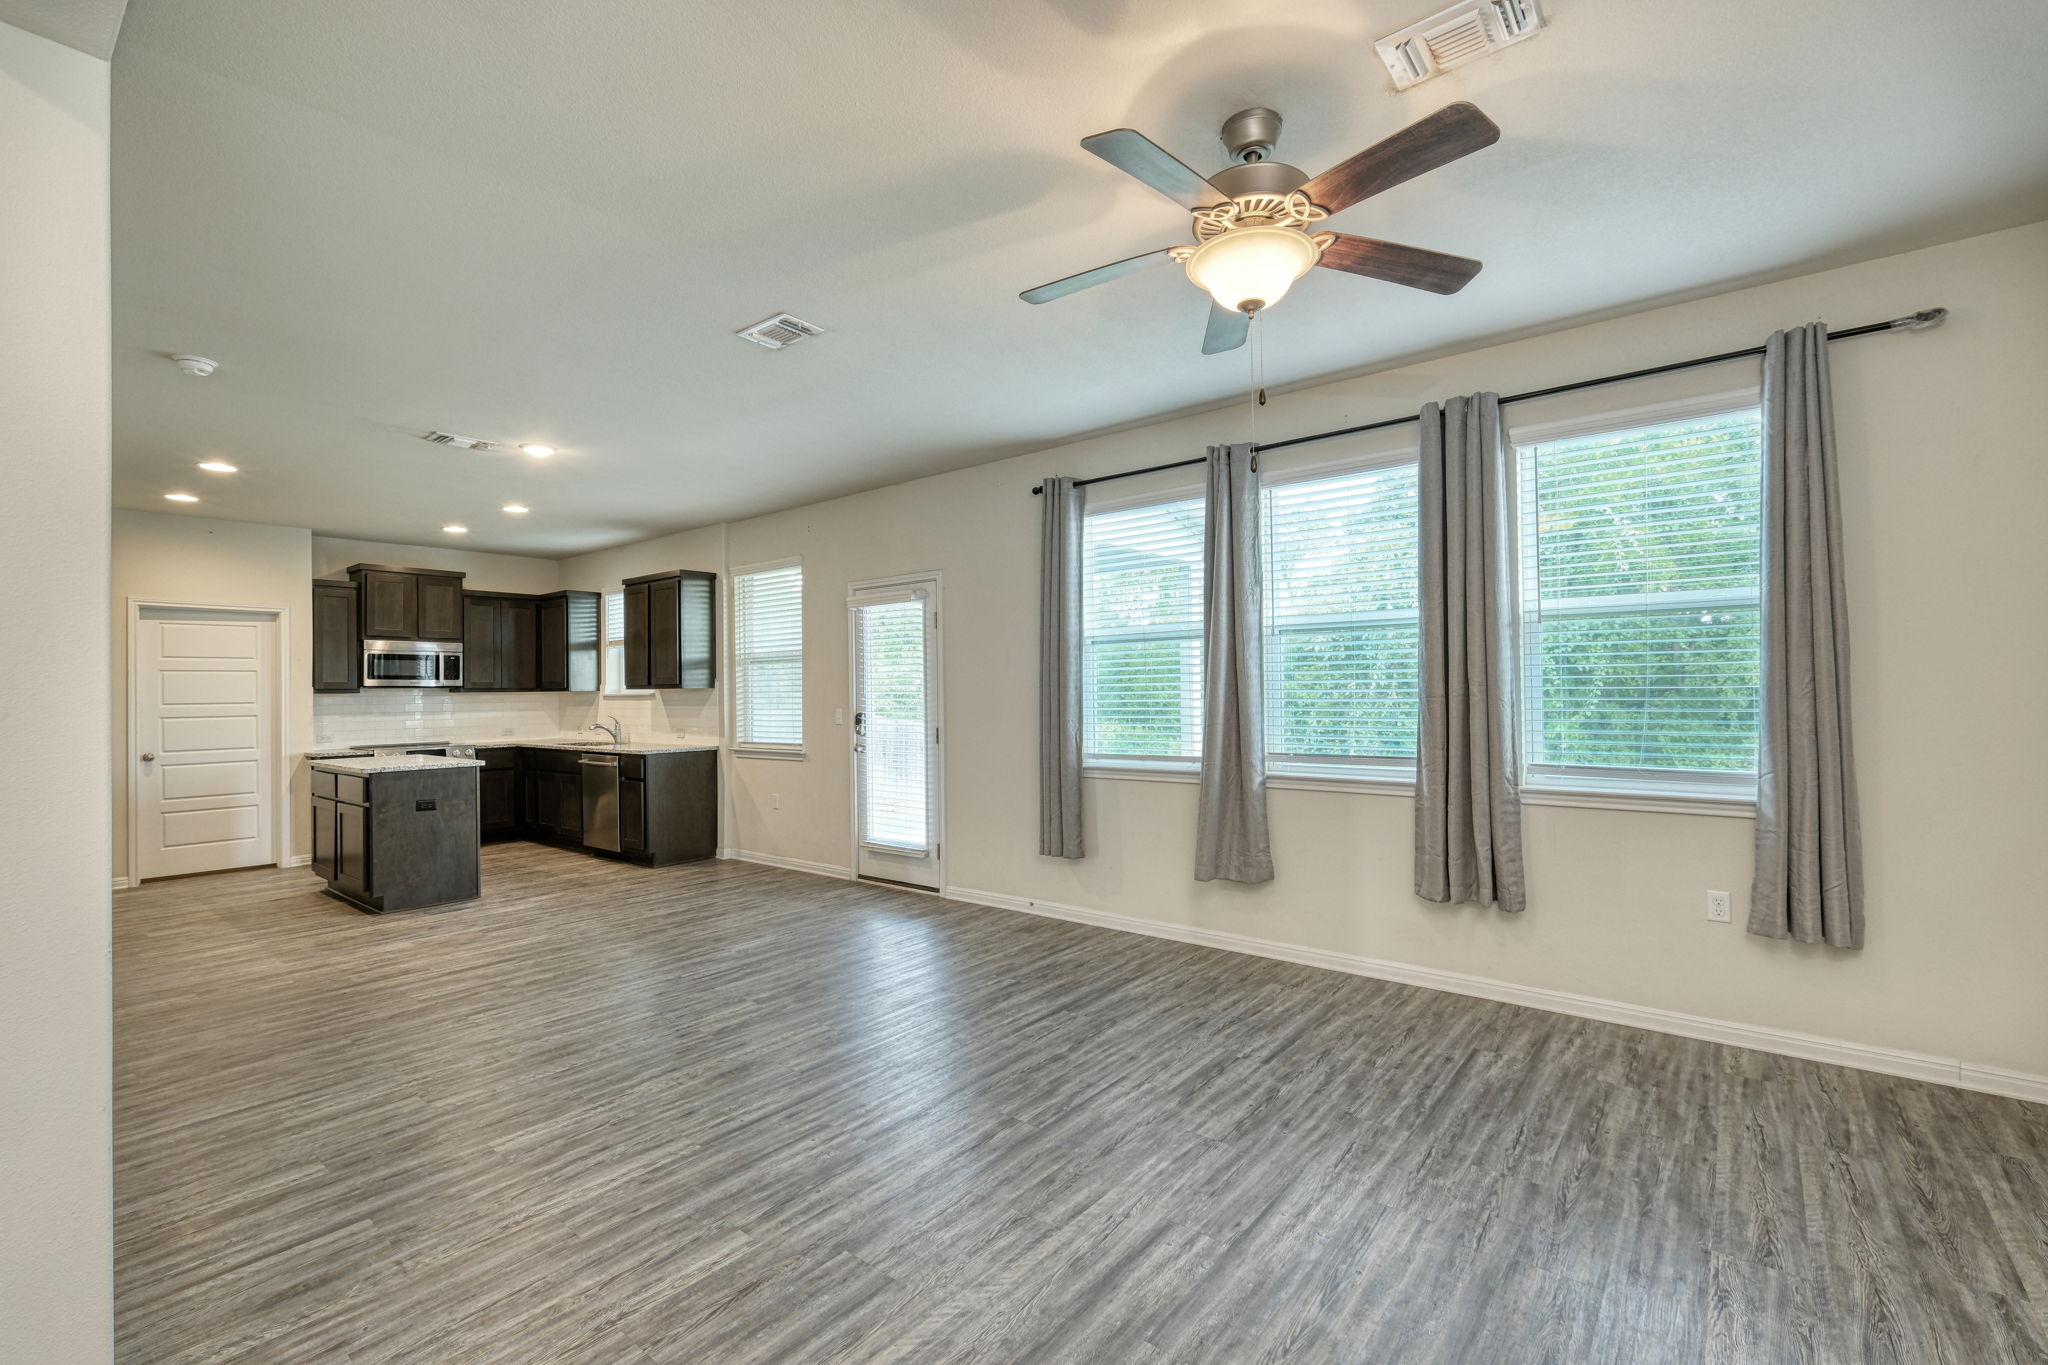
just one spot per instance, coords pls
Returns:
(1251, 219)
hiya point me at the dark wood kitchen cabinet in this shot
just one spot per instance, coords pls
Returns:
(397, 840)
(440, 603)
(408, 604)
(671, 629)
(337, 644)
(567, 628)
(499, 649)
(518, 642)
(498, 794)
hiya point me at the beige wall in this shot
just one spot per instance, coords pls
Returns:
(483, 572)
(1945, 470)
(56, 1269)
(197, 561)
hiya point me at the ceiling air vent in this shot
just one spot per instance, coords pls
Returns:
(444, 438)
(1458, 35)
(779, 331)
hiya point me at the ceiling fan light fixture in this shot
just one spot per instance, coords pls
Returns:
(1249, 268)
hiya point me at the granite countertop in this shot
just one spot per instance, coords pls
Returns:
(630, 747)
(365, 764)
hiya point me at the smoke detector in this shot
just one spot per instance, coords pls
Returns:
(198, 366)
(780, 331)
(444, 438)
(1460, 34)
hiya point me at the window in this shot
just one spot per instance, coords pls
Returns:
(1342, 644)
(1141, 630)
(768, 658)
(615, 647)
(1641, 558)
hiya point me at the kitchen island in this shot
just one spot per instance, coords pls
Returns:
(397, 831)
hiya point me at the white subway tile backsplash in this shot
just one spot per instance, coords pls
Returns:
(402, 715)
(399, 715)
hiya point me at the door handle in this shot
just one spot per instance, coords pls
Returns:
(149, 758)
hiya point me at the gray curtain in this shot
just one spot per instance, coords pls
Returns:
(1231, 842)
(1468, 816)
(1059, 673)
(1809, 855)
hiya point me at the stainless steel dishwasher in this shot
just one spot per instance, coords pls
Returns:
(600, 801)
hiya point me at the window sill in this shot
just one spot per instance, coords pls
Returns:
(1741, 806)
(756, 751)
(1137, 770)
(1382, 782)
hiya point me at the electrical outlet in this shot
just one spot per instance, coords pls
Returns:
(775, 801)
(1720, 908)
(839, 715)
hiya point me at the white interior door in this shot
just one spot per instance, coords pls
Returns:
(204, 684)
(896, 732)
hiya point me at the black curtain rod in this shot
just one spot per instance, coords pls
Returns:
(1912, 322)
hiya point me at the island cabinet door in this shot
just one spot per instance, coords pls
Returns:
(352, 848)
(323, 837)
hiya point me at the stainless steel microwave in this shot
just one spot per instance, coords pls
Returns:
(411, 663)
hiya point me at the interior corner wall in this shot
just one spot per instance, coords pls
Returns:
(693, 713)
(199, 561)
(1945, 470)
(56, 1067)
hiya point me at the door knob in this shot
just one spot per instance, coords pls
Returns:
(149, 758)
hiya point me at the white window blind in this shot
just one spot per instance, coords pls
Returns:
(1341, 616)
(895, 766)
(615, 642)
(1141, 629)
(1640, 569)
(768, 657)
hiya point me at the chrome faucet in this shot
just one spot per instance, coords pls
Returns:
(614, 729)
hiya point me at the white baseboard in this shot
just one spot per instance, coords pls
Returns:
(296, 860)
(844, 874)
(1918, 1066)
(121, 883)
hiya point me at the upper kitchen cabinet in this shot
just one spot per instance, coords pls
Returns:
(568, 625)
(408, 604)
(518, 642)
(671, 629)
(499, 649)
(337, 645)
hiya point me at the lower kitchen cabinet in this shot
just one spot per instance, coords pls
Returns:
(498, 794)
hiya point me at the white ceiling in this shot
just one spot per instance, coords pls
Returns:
(522, 219)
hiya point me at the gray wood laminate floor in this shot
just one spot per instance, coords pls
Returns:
(724, 1113)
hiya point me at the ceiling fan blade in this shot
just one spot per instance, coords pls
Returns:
(1101, 274)
(1451, 132)
(1436, 271)
(1132, 152)
(1227, 328)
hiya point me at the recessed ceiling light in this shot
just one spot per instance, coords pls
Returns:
(456, 530)
(514, 507)
(217, 466)
(536, 448)
(181, 497)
